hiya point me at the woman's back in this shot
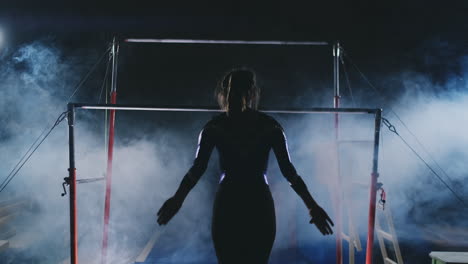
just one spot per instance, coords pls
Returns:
(243, 224)
(243, 142)
(243, 212)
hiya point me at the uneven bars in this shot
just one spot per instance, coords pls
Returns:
(231, 42)
(216, 109)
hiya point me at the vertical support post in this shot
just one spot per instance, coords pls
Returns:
(72, 182)
(110, 151)
(336, 75)
(336, 104)
(373, 188)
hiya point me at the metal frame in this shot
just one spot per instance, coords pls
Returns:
(336, 110)
(72, 170)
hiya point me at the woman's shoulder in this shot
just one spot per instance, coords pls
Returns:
(268, 120)
(216, 120)
(258, 117)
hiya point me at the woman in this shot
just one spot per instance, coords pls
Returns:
(243, 224)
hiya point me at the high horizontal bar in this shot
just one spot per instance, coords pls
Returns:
(229, 42)
(216, 109)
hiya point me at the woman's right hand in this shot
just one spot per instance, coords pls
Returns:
(168, 210)
(321, 220)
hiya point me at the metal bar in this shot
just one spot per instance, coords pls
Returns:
(4, 244)
(338, 193)
(373, 188)
(385, 235)
(216, 109)
(336, 74)
(115, 60)
(346, 237)
(110, 152)
(229, 42)
(149, 246)
(72, 183)
(389, 261)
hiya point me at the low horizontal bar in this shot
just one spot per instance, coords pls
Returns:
(216, 109)
(229, 42)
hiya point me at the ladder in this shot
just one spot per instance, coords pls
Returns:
(389, 235)
(354, 243)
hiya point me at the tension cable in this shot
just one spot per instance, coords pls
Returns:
(46, 132)
(85, 78)
(348, 82)
(31, 151)
(377, 91)
(393, 129)
(104, 83)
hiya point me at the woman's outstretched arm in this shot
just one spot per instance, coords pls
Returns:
(173, 204)
(280, 147)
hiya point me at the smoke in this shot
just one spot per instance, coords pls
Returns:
(439, 121)
(37, 80)
(426, 214)
(153, 151)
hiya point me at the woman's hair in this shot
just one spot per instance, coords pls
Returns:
(239, 81)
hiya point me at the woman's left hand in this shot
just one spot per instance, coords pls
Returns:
(321, 220)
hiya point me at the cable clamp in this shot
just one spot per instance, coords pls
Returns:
(389, 125)
(383, 195)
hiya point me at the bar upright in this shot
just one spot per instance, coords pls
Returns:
(72, 182)
(373, 188)
(338, 192)
(110, 152)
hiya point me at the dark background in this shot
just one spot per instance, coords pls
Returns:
(385, 38)
(396, 34)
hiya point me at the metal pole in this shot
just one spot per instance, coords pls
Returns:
(165, 108)
(110, 151)
(230, 42)
(72, 182)
(336, 74)
(338, 193)
(373, 188)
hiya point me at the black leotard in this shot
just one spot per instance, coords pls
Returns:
(243, 224)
